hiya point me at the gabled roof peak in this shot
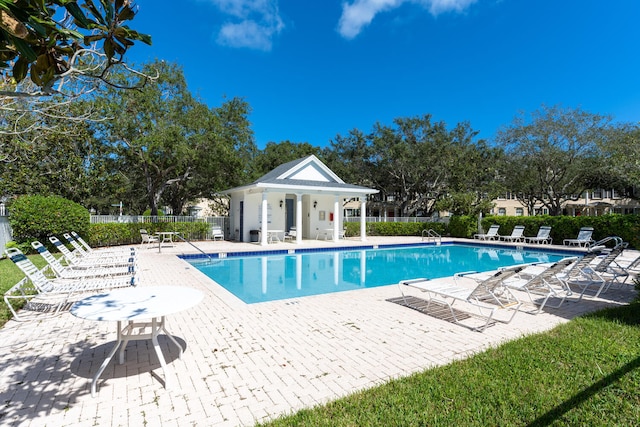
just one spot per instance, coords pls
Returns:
(308, 168)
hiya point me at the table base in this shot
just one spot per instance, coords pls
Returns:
(128, 333)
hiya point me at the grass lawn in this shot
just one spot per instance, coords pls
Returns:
(583, 373)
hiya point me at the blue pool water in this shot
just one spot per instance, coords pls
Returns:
(260, 278)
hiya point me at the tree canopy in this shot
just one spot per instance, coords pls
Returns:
(555, 156)
(56, 39)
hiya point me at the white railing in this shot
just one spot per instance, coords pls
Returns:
(396, 219)
(107, 219)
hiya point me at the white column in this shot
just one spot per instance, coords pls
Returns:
(363, 219)
(336, 218)
(265, 217)
(298, 219)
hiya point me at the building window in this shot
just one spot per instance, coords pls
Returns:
(597, 194)
(519, 212)
(502, 211)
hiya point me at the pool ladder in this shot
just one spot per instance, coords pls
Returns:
(430, 234)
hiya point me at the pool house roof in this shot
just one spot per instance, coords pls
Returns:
(306, 175)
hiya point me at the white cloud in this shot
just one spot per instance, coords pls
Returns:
(246, 34)
(359, 13)
(253, 23)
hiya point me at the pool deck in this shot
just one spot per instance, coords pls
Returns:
(243, 363)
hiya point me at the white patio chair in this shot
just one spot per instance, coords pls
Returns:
(292, 234)
(148, 239)
(217, 233)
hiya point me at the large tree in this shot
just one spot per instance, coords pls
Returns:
(554, 155)
(414, 163)
(622, 152)
(170, 146)
(274, 154)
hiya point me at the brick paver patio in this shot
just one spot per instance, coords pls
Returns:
(243, 363)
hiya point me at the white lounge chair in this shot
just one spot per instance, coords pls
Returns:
(39, 286)
(583, 238)
(584, 276)
(489, 295)
(102, 252)
(541, 282)
(79, 260)
(492, 234)
(609, 269)
(543, 237)
(517, 235)
(74, 272)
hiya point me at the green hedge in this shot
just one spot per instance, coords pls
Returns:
(113, 234)
(395, 228)
(566, 227)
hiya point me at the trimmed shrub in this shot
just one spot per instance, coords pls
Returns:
(464, 226)
(395, 228)
(113, 234)
(38, 217)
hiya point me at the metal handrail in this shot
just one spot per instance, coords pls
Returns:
(189, 242)
(618, 240)
(431, 234)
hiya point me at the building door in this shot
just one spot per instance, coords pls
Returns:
(291, 215)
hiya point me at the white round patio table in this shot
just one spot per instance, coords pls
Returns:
(140, 308)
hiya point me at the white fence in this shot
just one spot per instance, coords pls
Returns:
(397, 219)
(107, 219)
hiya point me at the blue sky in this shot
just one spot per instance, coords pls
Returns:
(318, 68)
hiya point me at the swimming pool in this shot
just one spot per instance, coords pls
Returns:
(267, 277)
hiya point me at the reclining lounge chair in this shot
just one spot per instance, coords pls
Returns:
(80, 260)
(583, 238)
(72, 272)
(489, 296)
(541, 282)
(517, 235)
(118, 250)
(39, 286)
(492, 234)
(543, 237)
